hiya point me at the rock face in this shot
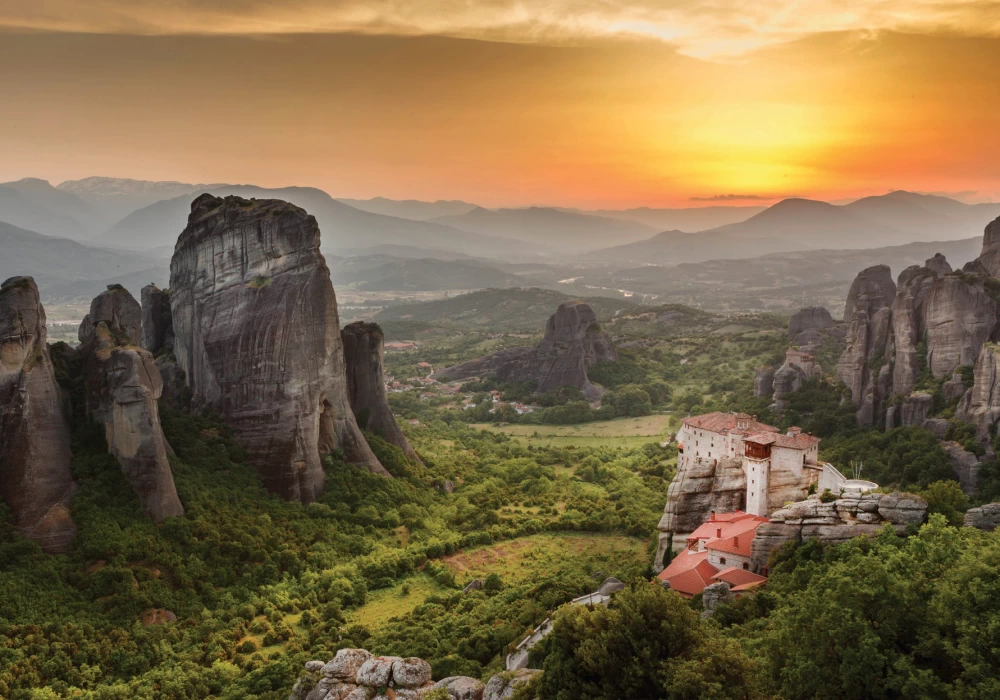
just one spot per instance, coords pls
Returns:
(937, 320)
(981, 404)
(915, 409)
(985, 517)
(810, 318)
(875, 284)
(763, 382)
(157, 328)
(573, 343)
(258, 338)
(699, 488)
(123, 386)
(836, 522)
(990, 256)
(35, 477)
(713, 595)
(503, 685)
(965, 465)
(355, 674)
(364, 354)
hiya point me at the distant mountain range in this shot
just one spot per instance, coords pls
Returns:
(410, 208)
(688, 220)
(378, 273)
(801, 224)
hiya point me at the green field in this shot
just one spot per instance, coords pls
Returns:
(523, 559)
(620, 432)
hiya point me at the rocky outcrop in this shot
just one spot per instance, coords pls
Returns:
(964, 465)
(699, 488)
(980, 405)
(915, 409)
(364, 353)
(954, 389)
(123, 385)
(713, 595)
(854, 515)
(763, 383)
(355, 674)
(990, 256)
(157, 328)
(871, 290)
(985, 517)
(799, 367)
(503, 685)
(938, 264)
(811, 318)
(573, 343)
(257, 336)
(35, 478)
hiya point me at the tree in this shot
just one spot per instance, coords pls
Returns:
(632, 400)
(948, 499)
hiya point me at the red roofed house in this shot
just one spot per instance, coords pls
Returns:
(719, 550)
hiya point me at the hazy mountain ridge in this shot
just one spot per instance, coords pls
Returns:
(410, 208)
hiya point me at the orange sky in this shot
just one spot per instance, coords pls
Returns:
(565, 116)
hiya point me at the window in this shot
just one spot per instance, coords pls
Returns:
(722, 560)
(745, 566)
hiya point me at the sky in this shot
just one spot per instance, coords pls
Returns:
(585, 103)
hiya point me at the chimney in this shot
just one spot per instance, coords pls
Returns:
(736, 540)
(712, 515)
(718, 533)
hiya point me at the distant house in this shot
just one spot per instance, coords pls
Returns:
(719, 550)
(400, 345)
(413, 421)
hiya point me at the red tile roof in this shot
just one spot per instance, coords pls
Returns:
(719, 422)
(684, 561)
(693, 581)
(739, 578)
(795, 442)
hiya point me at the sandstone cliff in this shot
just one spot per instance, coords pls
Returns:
(364, 353)
(811, 318)
(157, 329)
(257, 336)
(990, 257)
(123, 386)
(573, 343)
(851, 516)
(980, 405)
(875, 284)
(35, 478)
(699, 488)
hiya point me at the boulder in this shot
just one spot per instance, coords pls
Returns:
(462, 687)
(35, 477)
(610, 586)
(157, 328)
(123, 385)
(965, 465)
(474, 585)
(346, 664)
(376, 672)
(258, 338)
(903, 509)
(938, 264)
(985, 517)
(410, 673)
(713, 595)
(573, 343)
(955, 388)
(364, 353)
(503, 685)
(763, 383)
(810, 318)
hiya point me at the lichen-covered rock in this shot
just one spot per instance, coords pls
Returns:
(35, 477)
(410, 673)
(503, 685)
(573, 343)
(123, 385)
(364, 353)
(810, 318)
(763, 383)
(258, 338)
(903, 509)
(610, 585)
(376, 672)
(462, 687)
(346, 664)
(985, 517)
(157, 328)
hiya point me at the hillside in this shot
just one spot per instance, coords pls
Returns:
(379, 273)
(37, 206)
(690, 219)
(58, 261)
(519, 309)
(117, 197)
(342, 226)
(549, 226)
(410, 208)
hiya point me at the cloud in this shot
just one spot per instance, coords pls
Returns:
(735, 198)
(705, 28)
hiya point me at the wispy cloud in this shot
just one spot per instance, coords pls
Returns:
(705, 28)
(736, 198)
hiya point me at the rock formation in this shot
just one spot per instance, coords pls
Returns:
(875, 286)
(811, 318)
(981, 404)
(157, 329)
(355, 674)
(573, 343)
(364, 354)
(713, 595)
(257, 336)
(855, 515)
(937, 322)
(985, 517)
(990, 256)
(699, 488)
(763, 382)
(123, 386)
(964, 465)
(35, 478)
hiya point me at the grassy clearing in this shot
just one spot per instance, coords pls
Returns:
(620, 432)
(387, 603)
